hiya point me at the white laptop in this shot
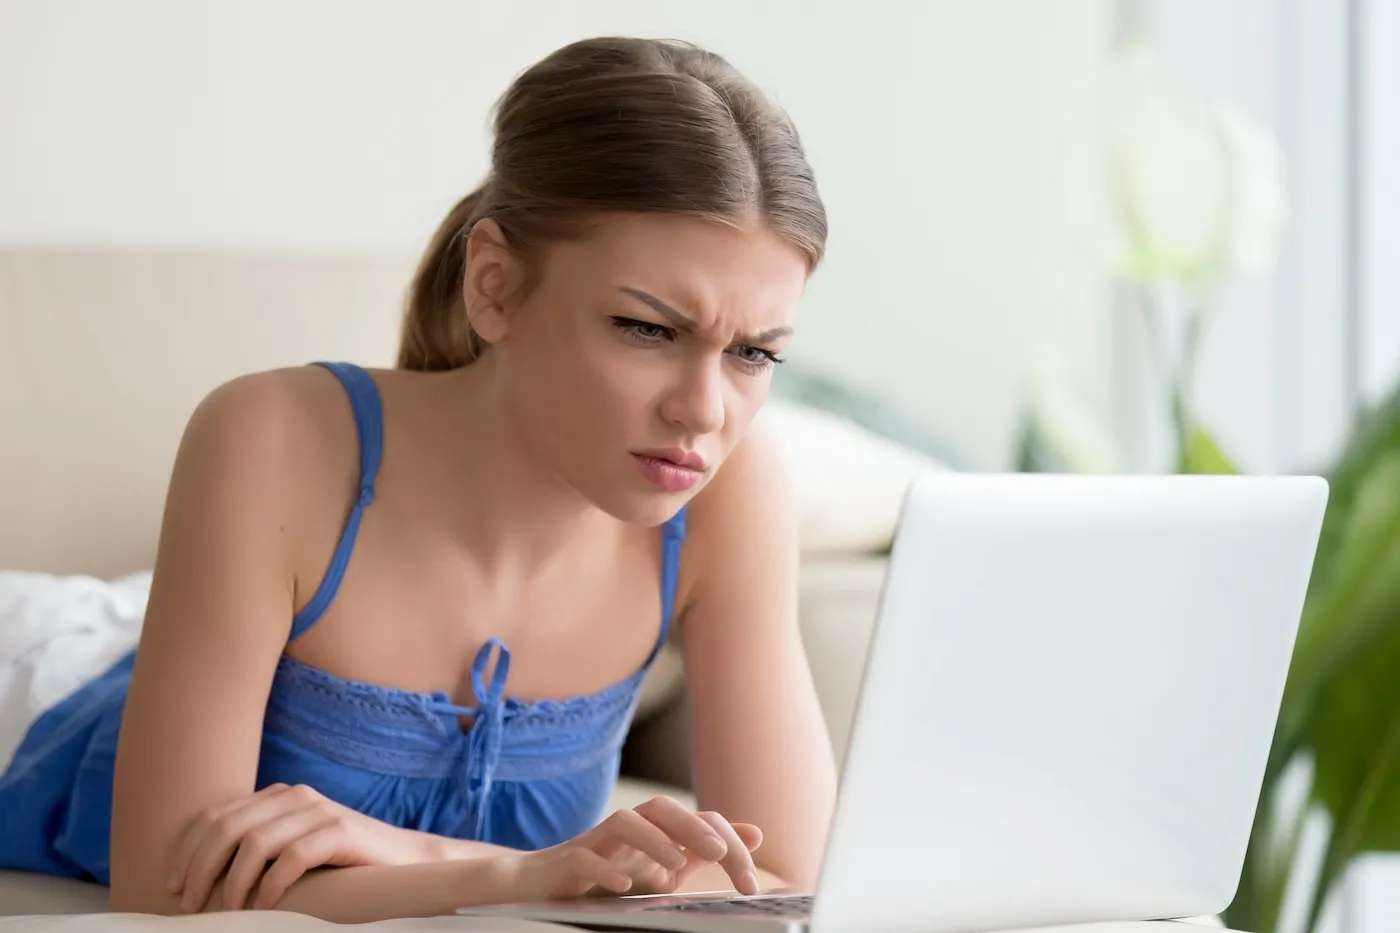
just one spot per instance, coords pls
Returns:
(1065, 713)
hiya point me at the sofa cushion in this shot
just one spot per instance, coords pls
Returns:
(23, 893)
(848, 481)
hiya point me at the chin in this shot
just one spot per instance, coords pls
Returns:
(647, 509)
(619, 490)
(632, 500)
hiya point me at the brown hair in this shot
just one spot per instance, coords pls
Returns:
(608, 125)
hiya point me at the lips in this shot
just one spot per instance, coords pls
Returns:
(677, 455)
(672, 469)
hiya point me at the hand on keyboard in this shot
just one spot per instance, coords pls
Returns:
(650, 849)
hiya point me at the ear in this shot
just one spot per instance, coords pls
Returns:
(494, 273)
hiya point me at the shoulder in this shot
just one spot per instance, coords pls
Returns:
(271, 419)
(754, 476)
(269, 405)
(281, 441)
(747, 514)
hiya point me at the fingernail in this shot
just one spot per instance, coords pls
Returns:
(172, 884)
(187, 902)
(675, 856)
(749, 883)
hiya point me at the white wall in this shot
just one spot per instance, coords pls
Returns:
(1380, 200)
(942, 133)
(1273, 381)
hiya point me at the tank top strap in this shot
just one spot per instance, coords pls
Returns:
(368, 409)
(672, 535)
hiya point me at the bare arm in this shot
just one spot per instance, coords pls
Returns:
(385, 892)
(219, 616)
(762, 752)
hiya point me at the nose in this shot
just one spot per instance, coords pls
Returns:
(696, 401)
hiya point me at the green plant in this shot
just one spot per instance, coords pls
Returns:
(1341, 708)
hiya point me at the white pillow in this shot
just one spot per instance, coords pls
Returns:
(849, 481)
(56, 634)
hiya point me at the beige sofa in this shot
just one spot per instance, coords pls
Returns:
(104, 353)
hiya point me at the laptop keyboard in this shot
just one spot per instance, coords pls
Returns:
(795, 906)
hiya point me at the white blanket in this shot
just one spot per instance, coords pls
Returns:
(56, 633)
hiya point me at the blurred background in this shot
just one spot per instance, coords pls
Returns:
(1100, 235)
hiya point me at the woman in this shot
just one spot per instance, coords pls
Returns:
(393, 645)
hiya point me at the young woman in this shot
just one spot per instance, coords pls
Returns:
(399, 618)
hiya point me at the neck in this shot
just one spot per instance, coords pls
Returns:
(517, 518)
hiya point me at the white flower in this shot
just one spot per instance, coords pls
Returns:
(1260, 208)
(1196, 188)
(1065, 425)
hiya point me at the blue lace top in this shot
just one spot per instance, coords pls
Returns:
(525, 775)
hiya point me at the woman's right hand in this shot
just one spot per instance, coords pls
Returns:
(650, 849)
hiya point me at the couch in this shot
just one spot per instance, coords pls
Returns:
(104, 353)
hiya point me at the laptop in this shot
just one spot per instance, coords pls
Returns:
(1064, 716)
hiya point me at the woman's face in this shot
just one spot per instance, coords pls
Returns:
(638, 356)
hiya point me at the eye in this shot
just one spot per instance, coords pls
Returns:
(643, 332)
(755, 358)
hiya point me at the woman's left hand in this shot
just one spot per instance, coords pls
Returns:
(296, 829)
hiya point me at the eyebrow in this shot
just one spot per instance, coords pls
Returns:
(688, 325)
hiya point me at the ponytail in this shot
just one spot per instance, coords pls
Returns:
(436, 334)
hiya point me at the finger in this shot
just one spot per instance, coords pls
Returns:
(633, 829)
(647, 876)
(587, 865)
(685, 827)
(190, 839)
(263, 845)
(737, 861)
(749, 834)
(221, 837)
(296, 859)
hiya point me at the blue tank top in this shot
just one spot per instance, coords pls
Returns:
(525, 775)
